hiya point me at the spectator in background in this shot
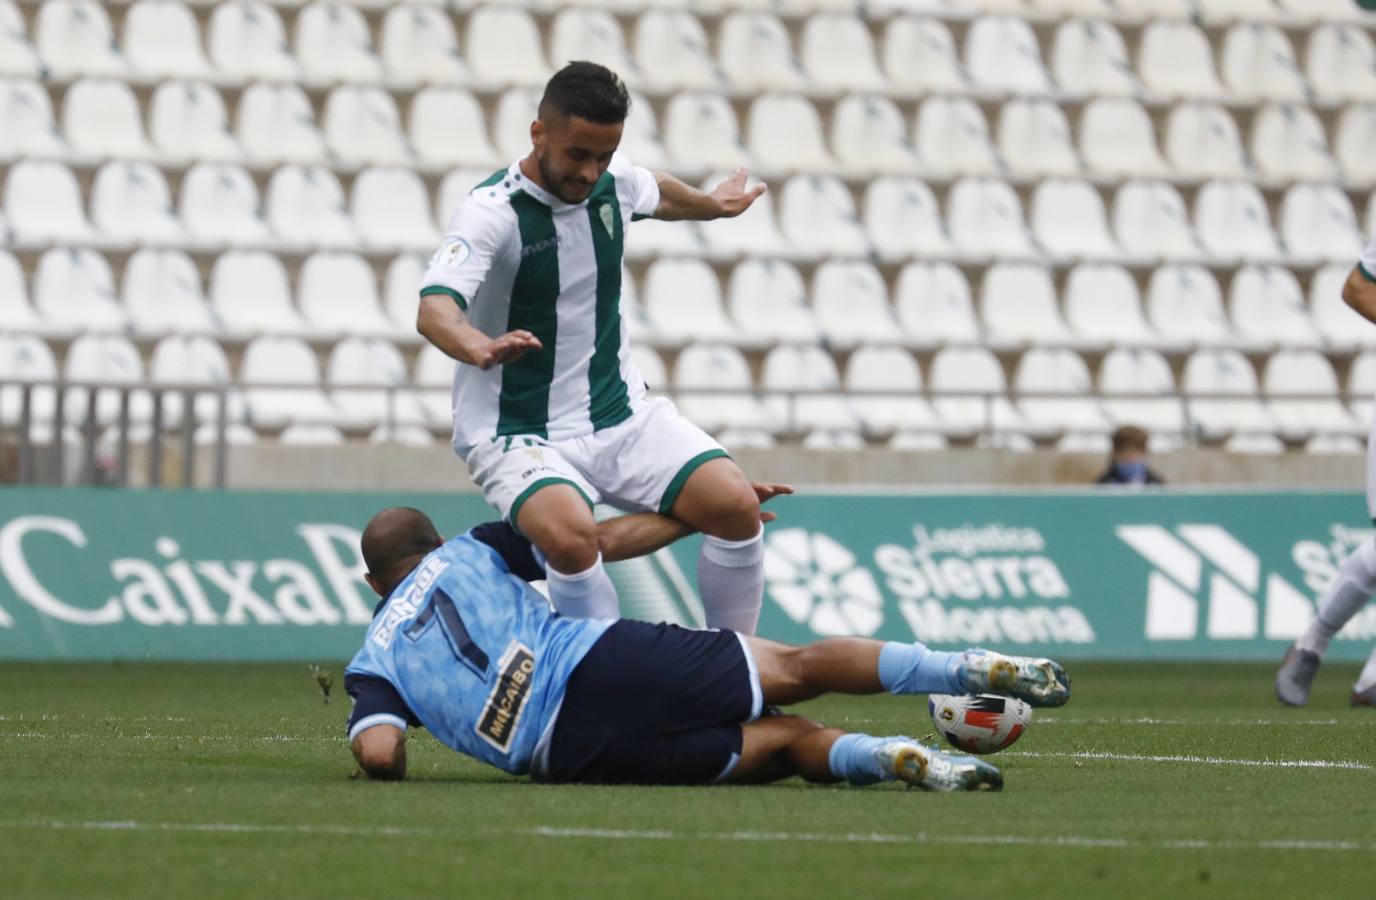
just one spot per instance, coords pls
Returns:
(1128, 464)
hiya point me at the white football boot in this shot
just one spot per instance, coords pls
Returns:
(931, 770)
(1039, 682)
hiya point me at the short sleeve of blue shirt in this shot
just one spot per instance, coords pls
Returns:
(376, 702)
(518, 552)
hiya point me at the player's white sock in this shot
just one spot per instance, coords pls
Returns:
(584, 595)
(1349, 592)
(1367, 680)
(731, 582)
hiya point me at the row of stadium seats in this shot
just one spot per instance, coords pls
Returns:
(881, 395)
(671, 49)
(868, 134)
(763, 302)
(390, 209)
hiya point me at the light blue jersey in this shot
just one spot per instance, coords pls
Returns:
(477, 655)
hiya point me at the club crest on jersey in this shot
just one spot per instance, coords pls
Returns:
(453, 253)
(605, 213)
(502, 712)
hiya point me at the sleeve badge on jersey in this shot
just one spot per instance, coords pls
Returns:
(453, 253)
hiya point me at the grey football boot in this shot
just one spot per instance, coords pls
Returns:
(1296, 675)
(927, 768)
(1039, 682)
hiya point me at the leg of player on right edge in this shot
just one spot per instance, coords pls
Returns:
(556, 519)
(1349, 592)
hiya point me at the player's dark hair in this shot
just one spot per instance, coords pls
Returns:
(588, 91)
(395, 535)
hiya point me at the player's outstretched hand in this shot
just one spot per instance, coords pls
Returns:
(507, 348)
(732, 196)
(766, 492)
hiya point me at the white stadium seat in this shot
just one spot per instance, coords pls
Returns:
(594, 35)
(934, 304)
(1267, 306)
(1044, 370)
(188, 122)
(43, 203)
(1288, 143)
(969, 370)
(1323, 10)
(163, 295)
(130, 202)
(454, 189)
(1185, 304)
(1002, 55)
(1117, 139)
(903, 218)
(435, 382)
(767, 300)
(305, 206)
(333, 44)
(250, 295)
(448, 128)
(503, 47)
(889, 369)
(701, 133)
(101, 118)
(1017, 302)
(1202, 141)
(1258, 62)
(276, 125)
(650, 365)
(1209, 373)
(673, 53)
(74, 38)
(785, 135)
(755, 232)
(756, 54)
(17, 56)
(15, 310)
(74, 289)
(1174, 59)
(919, 55)
(1352, 141)
(1341, 326)
(162, 40)
(652, 238)
(1068, 219)
(711, 383)
(1135, 370)
(107, 359)
(1361, 386)
(1340, 63)
(952, 136)
(303, 435)
(355, 361)
(818, 217)
(30, 129)
(337, 293)
(219, 205)
(188, 359)
(1034, 139)
(1317, 221)
(275, 360)
(838, 53)
(391, 210)
(363, 127)
(400, 297)
(1102, 305)
(1217, 11)
(246, 39)
(25, 357)
(418, 46)
(868, 134)
(516, 109)
(1090, 58)
(852, 305)
(1318, 409)
(1232, 222)
(640, 138)
(1150, 221)
(683, 298)
(985, 219)
(808, 368)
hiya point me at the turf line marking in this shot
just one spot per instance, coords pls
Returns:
(1056, 720)
(1197, 760)
(616, 834)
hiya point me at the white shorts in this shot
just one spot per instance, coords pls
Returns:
(640, 465)
(1371, 469)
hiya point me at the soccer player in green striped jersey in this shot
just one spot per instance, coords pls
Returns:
(550, 413)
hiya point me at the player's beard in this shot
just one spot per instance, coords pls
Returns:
(554, 182)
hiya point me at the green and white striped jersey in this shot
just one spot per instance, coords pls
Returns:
(515, 256)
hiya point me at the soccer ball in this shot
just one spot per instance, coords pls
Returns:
(979, 723)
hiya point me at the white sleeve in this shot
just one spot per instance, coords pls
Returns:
(1368, 261)
(476, 235)
(637, 185)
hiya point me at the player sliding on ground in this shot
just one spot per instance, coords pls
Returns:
(462, 645)
(550, 412)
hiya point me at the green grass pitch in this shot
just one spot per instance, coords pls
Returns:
(213, 781)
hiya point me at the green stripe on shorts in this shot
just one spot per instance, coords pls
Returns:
(676, 486)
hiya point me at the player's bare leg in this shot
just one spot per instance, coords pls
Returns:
(718, 500)
(783, 746)
(791, 674)
(559, 523)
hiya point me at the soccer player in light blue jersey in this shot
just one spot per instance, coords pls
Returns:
(463, 646)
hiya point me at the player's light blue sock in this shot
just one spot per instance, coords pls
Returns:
(914, 669)
(852, 758)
